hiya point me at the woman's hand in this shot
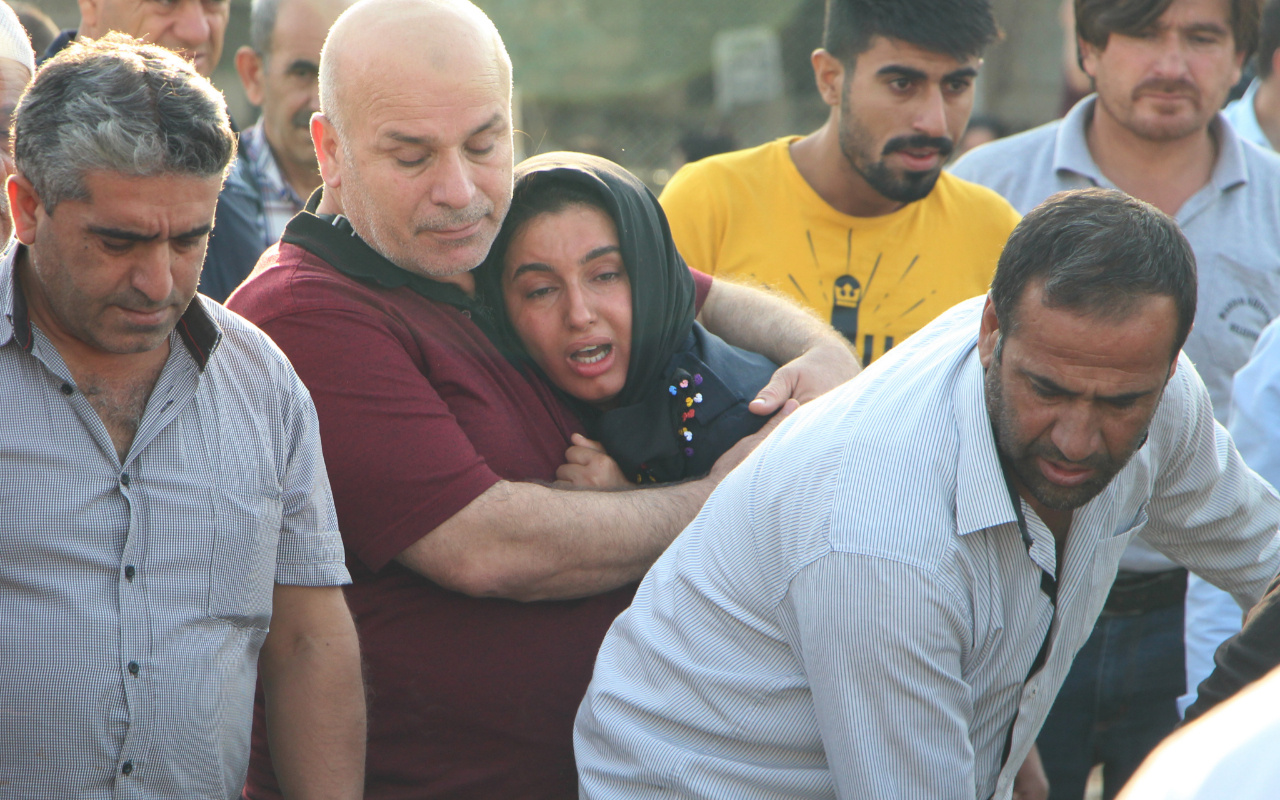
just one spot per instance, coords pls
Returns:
(588, 466)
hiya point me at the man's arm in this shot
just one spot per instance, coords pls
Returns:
(814, 357)
(310, 670)
(528, 542)
(881, 642)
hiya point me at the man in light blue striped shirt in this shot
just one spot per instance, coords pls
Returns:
(883, 600)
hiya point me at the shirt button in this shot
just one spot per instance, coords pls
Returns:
(128, 573)
(124, 478)
(127, 768)
(133, 668)
(66, 389)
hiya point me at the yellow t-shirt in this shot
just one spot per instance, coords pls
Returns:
(750, 215)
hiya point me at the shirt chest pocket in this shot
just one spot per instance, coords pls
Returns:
(242, 572)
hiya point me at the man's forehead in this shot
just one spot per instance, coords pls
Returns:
(885, 52)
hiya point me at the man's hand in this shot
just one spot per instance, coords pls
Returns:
(819, 370)
(588, 466)
(1031, 783)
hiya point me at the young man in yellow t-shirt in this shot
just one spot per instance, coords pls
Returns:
(857, 219)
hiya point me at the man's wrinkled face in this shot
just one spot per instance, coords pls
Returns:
(14, 77)
(425, 168)
(1168, 81)
(286, 82)
(193, 28)
(902, 109)
(1071, 396)
(116, 271)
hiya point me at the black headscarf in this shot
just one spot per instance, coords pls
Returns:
(662, 291)
(643, 432)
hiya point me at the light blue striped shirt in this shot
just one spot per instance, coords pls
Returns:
(137, 593)
(854, 612)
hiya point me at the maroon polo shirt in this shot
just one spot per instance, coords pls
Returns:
(419, 415)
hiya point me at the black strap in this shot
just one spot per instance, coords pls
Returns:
(332, 238)
(1048, 585)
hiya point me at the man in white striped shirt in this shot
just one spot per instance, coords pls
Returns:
(883, 600)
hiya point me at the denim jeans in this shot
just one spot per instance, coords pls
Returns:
(1117, 703)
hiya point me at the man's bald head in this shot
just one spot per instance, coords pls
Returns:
(414, 134)
(445, 35)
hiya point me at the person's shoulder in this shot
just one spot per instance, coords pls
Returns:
(289, 280)
(1020, 153)
(751, 164)
(244, 347)
(976, 204)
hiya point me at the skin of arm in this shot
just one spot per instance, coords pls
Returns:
(524, 541)
(310, 671)
(814, 357)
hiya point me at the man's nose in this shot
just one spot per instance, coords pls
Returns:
(452, 185)
(1076, 433)
(931, 115)
(190, 26)
(153, 272)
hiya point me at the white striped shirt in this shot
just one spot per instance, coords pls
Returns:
(854, 612)
(136, 594)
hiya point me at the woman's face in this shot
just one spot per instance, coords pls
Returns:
(569, 299)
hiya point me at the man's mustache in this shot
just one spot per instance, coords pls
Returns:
(301, 118)
(1167, 86)
(942, 144)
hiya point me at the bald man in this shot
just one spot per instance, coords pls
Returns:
(276, 170)
(481, 597)
(192, 28)
(17, 65)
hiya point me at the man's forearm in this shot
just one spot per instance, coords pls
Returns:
(310, 670)
(765, 322)
(529, 542)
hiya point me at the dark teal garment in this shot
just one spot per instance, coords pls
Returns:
(685, 399)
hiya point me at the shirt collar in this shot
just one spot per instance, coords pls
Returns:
(982, 494)
(198, 331)
(271, 182)
(1071, 149)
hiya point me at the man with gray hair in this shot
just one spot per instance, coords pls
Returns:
(276, 170)
(164, 513)
(192, 28)
(17, 64)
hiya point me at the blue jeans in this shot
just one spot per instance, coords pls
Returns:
(1118, 702)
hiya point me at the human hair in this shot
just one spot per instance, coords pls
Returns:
(1268, 38)
(960, 28)
(262, 26)
(1096, 20)
(1096, 252)
(120, 105)
(543, 193)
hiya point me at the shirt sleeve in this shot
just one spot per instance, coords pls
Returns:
(1208, 511)
(310, 551)
(399, 462)
(695, 217)
(882, 644)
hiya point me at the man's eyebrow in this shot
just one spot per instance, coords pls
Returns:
(963, 72)
(134, 236)
(428, 141)
(600, 251)
(900, 71)
(1206, 27)
(1049, 385)
(303, 65)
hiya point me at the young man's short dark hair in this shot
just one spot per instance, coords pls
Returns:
(1096, 20)
(960, 28)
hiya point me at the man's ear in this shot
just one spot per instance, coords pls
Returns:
(1088, 58)
(828, 73)
(251, 68)
(329, 153)
(988, 333)
(25, 206)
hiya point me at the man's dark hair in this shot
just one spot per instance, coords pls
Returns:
(1096, 252)
(1096, 20)
(960, 28)
(1268, 38)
